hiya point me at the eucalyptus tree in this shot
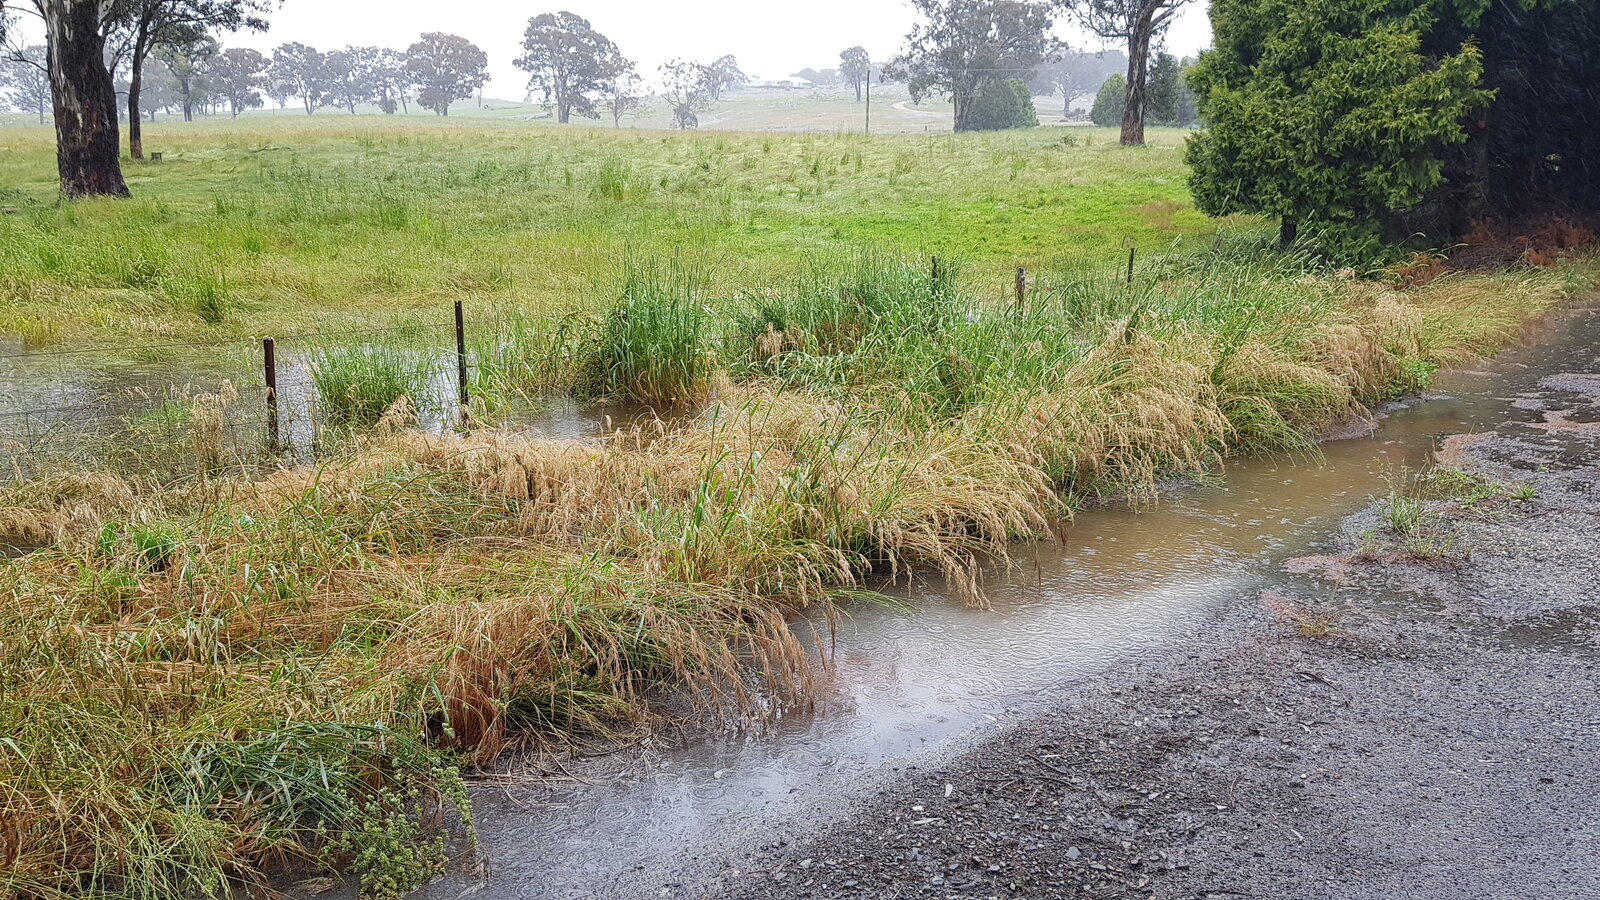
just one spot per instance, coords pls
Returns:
(298, 71)
(148, 25)
(446, 68)
(188, 63)
(1137, 23)
(568, 61)
(855, 66)
(237, 74)
(686, 86)
(25, 79)
(390, 82)
(83, 96)
(623, 93)
(723, 74)
(962, 44)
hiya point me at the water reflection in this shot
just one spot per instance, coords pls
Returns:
(905, 684)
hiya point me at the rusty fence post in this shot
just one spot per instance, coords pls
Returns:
(461, 358)
(1022, 290)
(1130, 265)
(269, 361)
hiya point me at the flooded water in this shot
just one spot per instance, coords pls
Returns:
(906, 684)
(73, 405)
(902, 684)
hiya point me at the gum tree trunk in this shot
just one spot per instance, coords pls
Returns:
(1138, 73)
(135, 118)
(141, 50)
(88, 151)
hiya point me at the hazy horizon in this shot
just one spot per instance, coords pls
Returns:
(767, 43)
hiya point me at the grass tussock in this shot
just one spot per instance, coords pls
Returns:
(208, 678)
(357, 385)
(652, 345)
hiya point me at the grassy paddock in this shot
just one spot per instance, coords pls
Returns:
(256, 227)
(209, 679)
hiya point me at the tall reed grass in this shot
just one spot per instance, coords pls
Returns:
(654, 345)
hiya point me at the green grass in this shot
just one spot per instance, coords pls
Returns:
(281, 224)
(654, 345)
(1421, 510)
(356, 385)
(211, 673)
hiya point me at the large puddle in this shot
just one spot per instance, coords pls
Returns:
(908, 684)
(61, 406)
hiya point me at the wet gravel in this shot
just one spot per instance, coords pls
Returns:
(1377, 725)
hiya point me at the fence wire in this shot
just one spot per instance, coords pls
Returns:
(134, 405)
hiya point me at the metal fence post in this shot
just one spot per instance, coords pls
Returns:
(1022, 289)
(461, 358)
(1130, 265)
(269, 360)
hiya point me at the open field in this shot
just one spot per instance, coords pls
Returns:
(221, 671)
(303, 223)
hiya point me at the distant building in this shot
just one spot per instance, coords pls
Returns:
(790, 83)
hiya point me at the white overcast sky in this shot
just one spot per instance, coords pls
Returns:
(771, 39)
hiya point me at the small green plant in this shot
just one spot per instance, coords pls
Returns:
(1436, 546)
(1419, 530)
(1451, 483)
(388, 849)
(155, 544)
(1414, 374)
(1522, 493)
(1405, 515)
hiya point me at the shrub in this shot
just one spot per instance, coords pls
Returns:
(1110, 103)
(998, 105)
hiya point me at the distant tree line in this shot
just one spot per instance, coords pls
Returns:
(989, 57)
(435, 72)
(576, 69)
(165, 54)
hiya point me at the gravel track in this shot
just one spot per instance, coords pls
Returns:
(1376, 726)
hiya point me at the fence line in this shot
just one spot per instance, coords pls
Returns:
(274, 381)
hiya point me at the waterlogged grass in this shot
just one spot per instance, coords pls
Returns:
(356, 385)
(294, 224)
(205, 679)
(653, 346)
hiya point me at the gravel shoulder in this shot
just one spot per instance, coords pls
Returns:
(1394, 718)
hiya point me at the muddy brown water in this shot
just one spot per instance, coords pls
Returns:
(905, 686)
